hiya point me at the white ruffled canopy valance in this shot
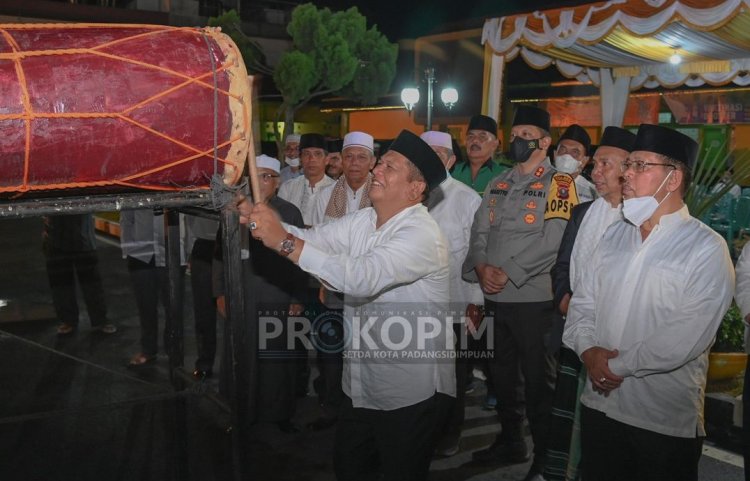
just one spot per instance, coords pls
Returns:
(628, 43)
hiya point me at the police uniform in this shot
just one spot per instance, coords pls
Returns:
(518, 228)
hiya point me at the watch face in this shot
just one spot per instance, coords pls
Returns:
(287, 246)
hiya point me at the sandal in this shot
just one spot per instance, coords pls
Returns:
(64, 329)
(106, 329)
(141, 359)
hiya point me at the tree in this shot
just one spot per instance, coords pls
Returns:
(251, 52)
(332, 52)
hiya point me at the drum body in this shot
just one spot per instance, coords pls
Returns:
(120, 106)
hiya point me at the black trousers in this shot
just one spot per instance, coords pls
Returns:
(522, 367)
(746, 421)
(386, 445)
(615, 451)
(150, 283)
(204, 304)
(62, 270)
(454, 418)
(330, 360)
(277, 373)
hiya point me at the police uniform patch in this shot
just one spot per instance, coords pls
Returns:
(539, 172)
(536, 186)
(562, 197)
(493, 201)
(502, 185)
(531, 204)
(529, 218)
(492, 216)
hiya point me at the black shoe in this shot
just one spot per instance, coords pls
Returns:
(200, 374)
(534, 474)
(323, 422)
(506, 453)
(287, 427)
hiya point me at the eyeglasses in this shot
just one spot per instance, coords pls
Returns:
(639, 166)
(268, 177)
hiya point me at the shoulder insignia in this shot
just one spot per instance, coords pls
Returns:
(562, 197)
(539, 172)
(531, 204)
(492, 202)
(502, 185)
(529, 218)
(537, 186)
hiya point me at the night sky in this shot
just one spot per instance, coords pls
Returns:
(410, 19)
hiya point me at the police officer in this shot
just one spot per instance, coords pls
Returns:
(514, 240)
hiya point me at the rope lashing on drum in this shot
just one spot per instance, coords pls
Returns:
(221, 194)
(28, 115)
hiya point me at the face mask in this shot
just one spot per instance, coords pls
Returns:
(566, 163)
(292, 162)
(521, 149)
(639, 209)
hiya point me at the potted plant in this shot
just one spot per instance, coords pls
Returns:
(727, 358)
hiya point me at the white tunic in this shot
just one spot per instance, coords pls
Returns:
(659, 302)
(142, 236)
(600, 215)
(299, 192)
(453, 206)
(391, 276)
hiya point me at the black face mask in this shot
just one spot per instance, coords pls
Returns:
(521, 149)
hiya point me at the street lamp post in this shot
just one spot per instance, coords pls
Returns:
(410, 96)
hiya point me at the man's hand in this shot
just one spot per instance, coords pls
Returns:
(491, 279)
(296, 309)
(265, 226)
(596, 359)
(244, 207)
(474, 315)
(221, 306)
(564, 303)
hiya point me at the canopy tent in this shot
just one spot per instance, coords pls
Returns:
(624, 45)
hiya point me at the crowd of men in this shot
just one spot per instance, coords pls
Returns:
(591, 299)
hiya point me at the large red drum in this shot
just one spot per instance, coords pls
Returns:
(119, 106)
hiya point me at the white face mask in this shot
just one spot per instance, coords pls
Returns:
(566, 163)
(292, 162)
(639, 209)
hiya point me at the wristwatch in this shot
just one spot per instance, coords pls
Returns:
(287, 245)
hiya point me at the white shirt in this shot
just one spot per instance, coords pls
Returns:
(142, 236)
(353, 199)
(199, 228)
(299, 192)
(600, 215)
(742, 294)
(396, 273)
(453, 206)
(659, 302)
(585, 189)
(287, 173)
